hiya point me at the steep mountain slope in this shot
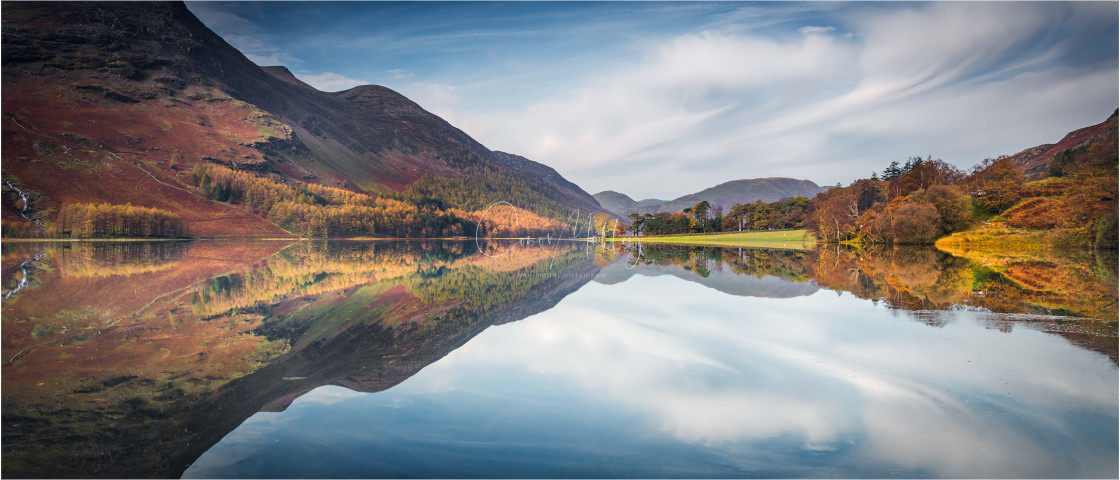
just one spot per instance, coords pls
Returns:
(1036, 161)
(115, 103)
(725, 195)
(286, 75)
(569, 193)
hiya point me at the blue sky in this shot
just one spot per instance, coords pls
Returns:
(663, 99)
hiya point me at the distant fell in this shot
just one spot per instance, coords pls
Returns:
(622, 204)
(726, 194)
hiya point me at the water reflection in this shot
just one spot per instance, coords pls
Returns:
(137, 367)
(709, 385)
(135, 359)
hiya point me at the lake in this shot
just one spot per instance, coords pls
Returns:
(504, 360)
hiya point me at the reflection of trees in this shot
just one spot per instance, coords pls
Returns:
(915, 278)
(103, 259)
(925, 279)
(905, 277)
(323, 312)
(756, 262)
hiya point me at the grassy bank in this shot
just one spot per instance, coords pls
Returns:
(787, 239)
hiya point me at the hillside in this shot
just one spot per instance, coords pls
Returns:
(725, 194)
(1036, 161)
(115, 103)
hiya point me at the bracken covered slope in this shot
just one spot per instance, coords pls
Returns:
(115, 103)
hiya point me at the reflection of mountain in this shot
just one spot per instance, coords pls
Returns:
(926, 282)
(741, 272)
(169, 380)
(119, 359)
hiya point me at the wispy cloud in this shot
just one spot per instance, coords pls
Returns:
(330, 81)
(660, 100)
(959, 81)
(399, 73)
(253, 40)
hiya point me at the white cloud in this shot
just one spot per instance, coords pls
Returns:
(330, 81)
(812, 30)
(442, 99)
(250, 39)
(738, 373)
(328, 395)
(399, 74)
(959, 81)
(689, 96)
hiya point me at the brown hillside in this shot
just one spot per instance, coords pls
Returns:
(114, 102)
(1035, 161)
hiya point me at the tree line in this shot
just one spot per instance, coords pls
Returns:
(426, 209)
(924, 199)
(704, 218)
(103, 220)
(914, 203)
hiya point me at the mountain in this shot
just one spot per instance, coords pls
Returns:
(116, 102)
(621, 204)
(1036, 161)
(726, 194)
(282, 72)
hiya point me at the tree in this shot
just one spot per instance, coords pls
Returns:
(892, 171)
(636, 221)
(998, 183)
(868, 194)
(954, 209)
(916, 223)
(700, 210)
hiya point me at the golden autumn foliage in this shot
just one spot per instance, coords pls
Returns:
(312, 210)
(101, 220)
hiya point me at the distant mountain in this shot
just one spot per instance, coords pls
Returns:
(116, 102)
(725, 194)
(621, 204)
(1035, 161)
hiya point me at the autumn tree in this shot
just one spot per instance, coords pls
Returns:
(916, 223)
(997, 183)
(954, 209)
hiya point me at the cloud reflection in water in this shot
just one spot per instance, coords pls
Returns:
(669, 378)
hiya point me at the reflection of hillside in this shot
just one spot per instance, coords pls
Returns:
(363, 315)
(926, 279)
(1075, 282)
(317, 268)
(371, 353)
(1043, 293)
(735, 271)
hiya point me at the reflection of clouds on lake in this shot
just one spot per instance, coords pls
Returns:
(836, 372)
(329, 395)
(251, 437)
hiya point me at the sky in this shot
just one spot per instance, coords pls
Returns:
(663, 99)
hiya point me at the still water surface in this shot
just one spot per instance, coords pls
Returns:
(364, 360)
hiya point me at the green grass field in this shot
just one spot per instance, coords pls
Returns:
(789, 239)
